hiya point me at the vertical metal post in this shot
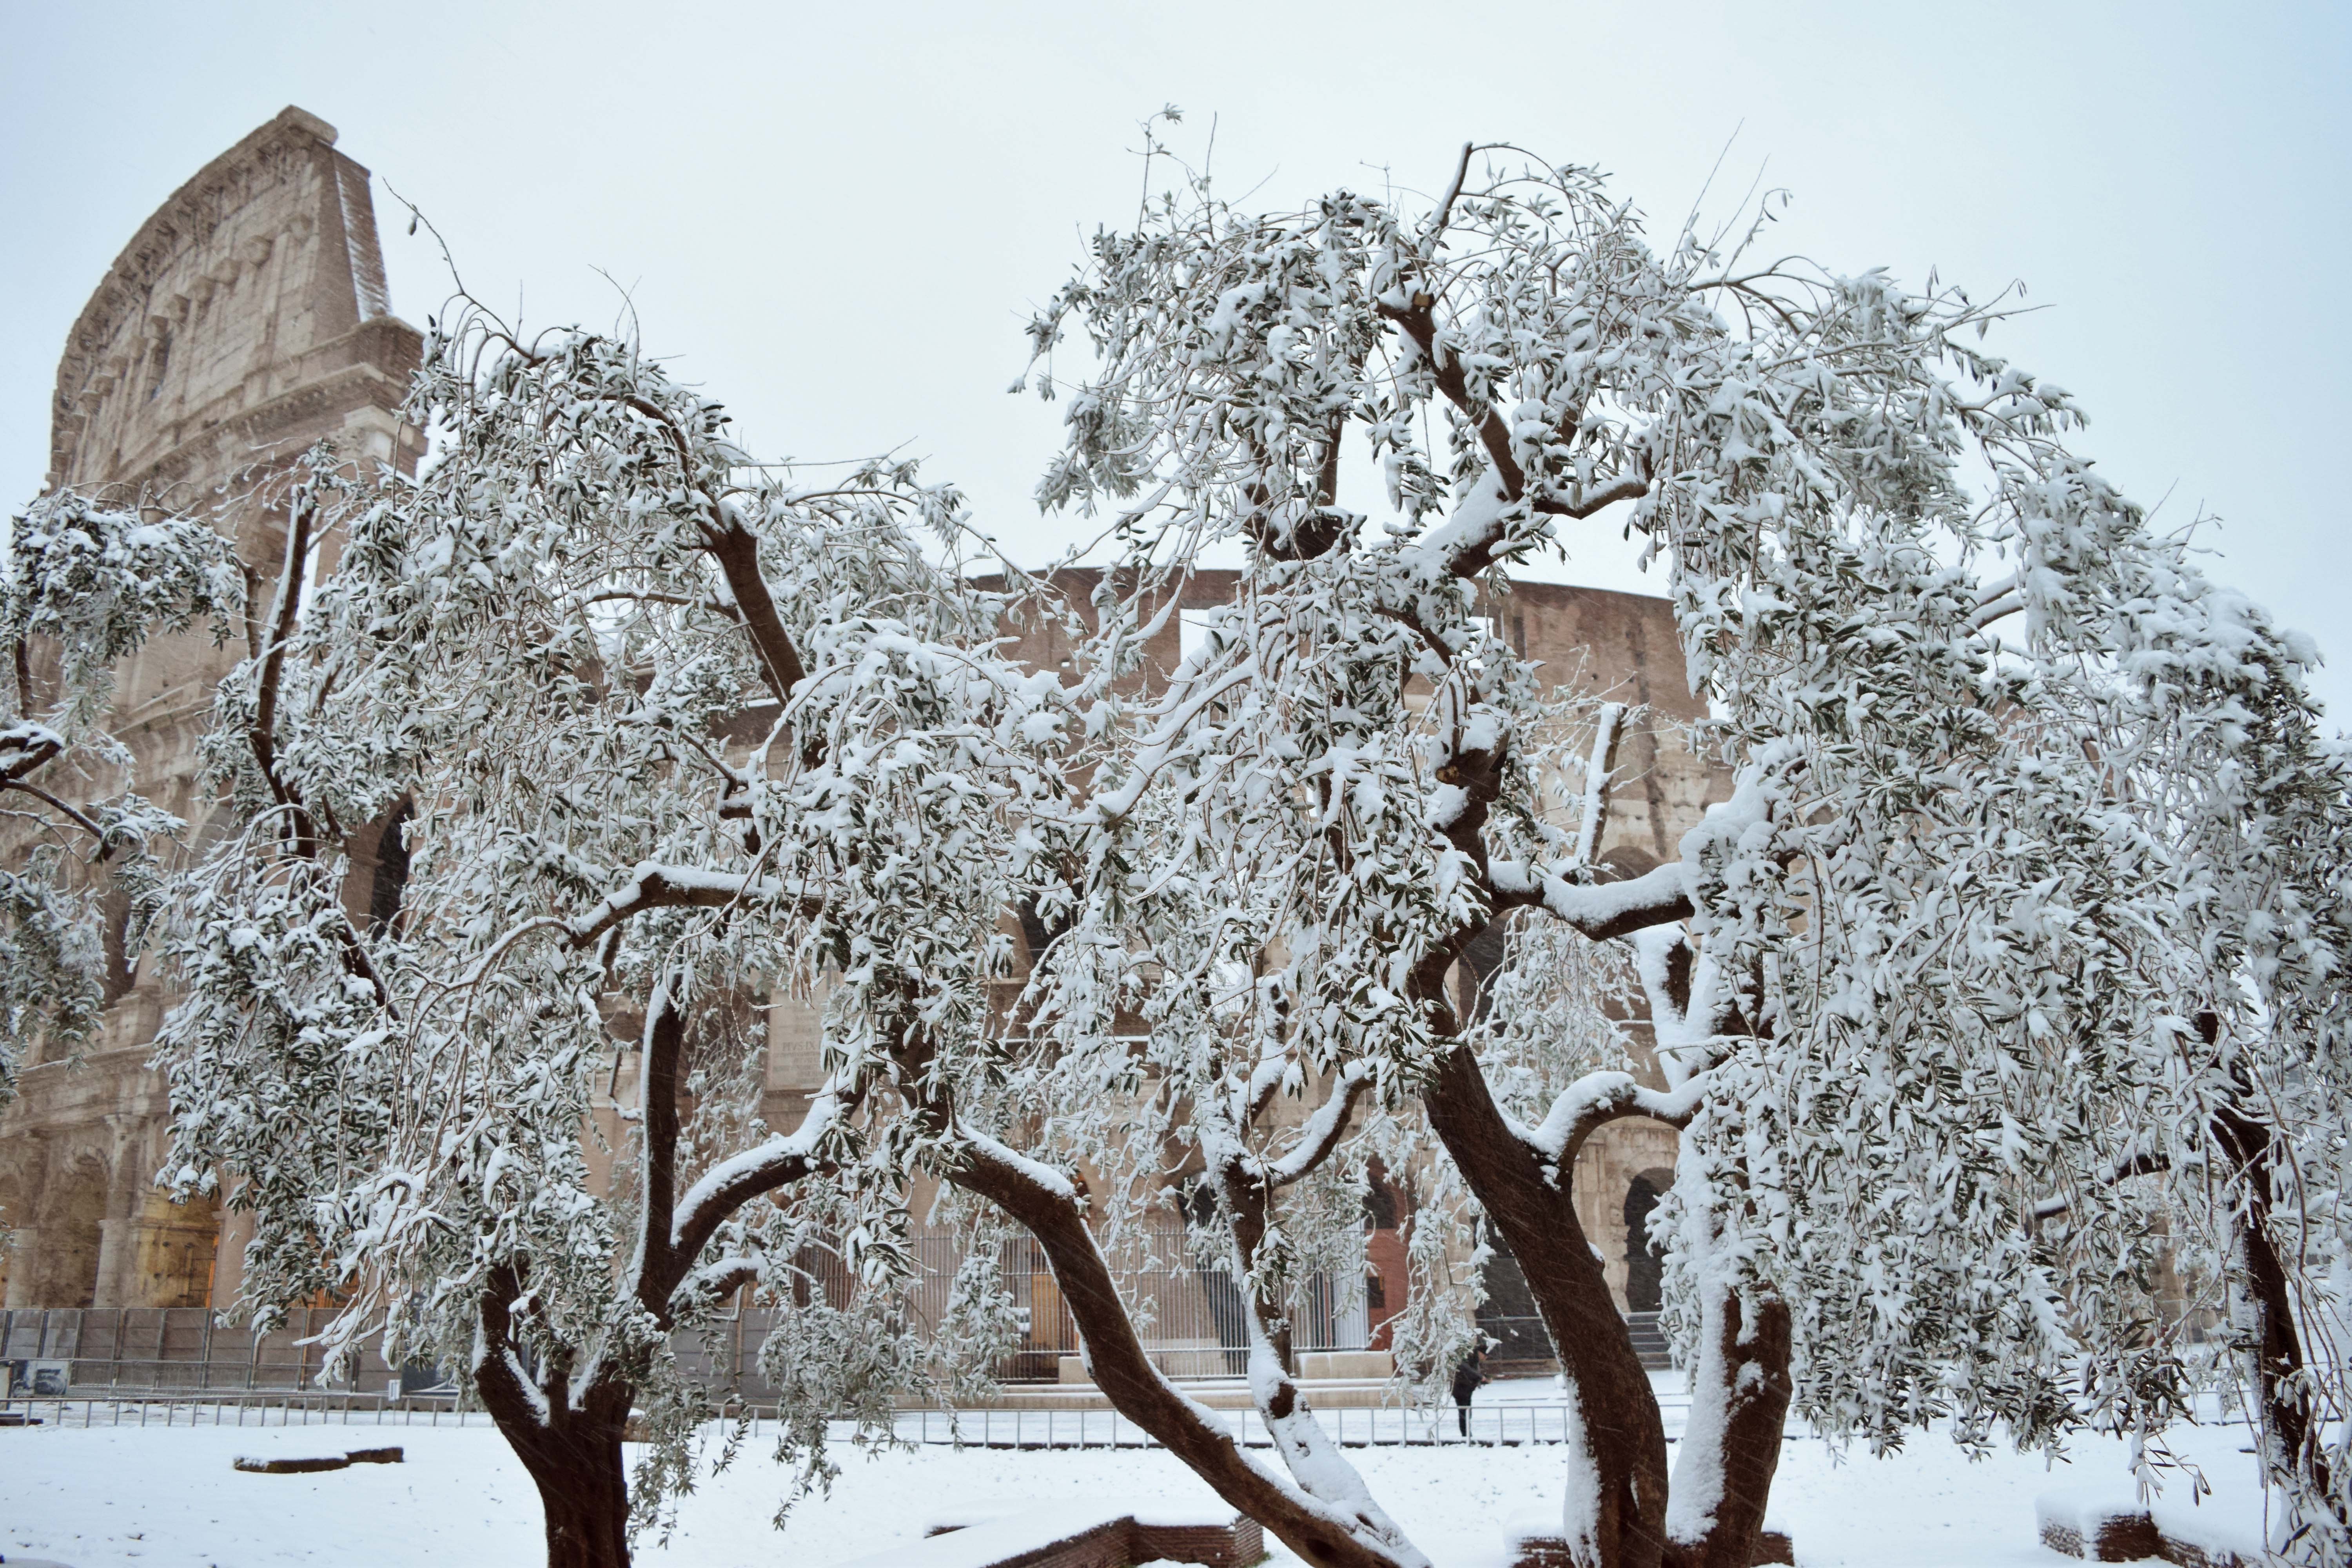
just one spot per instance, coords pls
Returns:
(742, 1309)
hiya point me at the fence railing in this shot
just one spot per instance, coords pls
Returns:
(261, 1409)
(1194, 1319)
(1507, 1425)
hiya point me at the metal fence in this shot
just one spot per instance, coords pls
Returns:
(276, 1408)
(1192, 1319)
(1488, 1425)
(161, 1347)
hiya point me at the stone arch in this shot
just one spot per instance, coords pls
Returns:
(1627, 861)
(73, 1233)
(390, 874)
(1644, 1273)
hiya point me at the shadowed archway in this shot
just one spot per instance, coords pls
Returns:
(1643, 1274)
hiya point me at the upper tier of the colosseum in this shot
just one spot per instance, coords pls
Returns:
(246, 318)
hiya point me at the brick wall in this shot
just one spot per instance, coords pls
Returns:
(1231, 1545)
(1120, 1542)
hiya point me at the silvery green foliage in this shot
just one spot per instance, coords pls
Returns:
(2032, 795)
(52, 961)
(1445, 1259)
(88, 583)
(2020, 793)
(980, 1325)
(83, 585)
(678, 735)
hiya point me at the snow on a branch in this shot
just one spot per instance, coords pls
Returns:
(757, 1167)
(656, 887)
(1599, 1097)
(1601, 909)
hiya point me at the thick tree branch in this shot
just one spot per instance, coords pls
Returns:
(513, 1400)
(663, 1039)
(54, 804)
(1997, 609)
(1601, 909)
(1323, 1132)
(1584, 503)
(1415, 316)
(27, 746)
(1531, 1202)
(1047, 1205)
(1731, 1448)
(778, 1163)
(1608, 728)
(1597, 1099)
(1327, 474)
(737, 550)
(1315, 1463)
(654, 885)
(1468, 547)
(719, 1278)
(2293, 1424)
(261, 735)
(357, 962)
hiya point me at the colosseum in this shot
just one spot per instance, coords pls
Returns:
(245, 319)
(248, 318)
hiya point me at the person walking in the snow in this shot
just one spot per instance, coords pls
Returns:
(1467, 1376)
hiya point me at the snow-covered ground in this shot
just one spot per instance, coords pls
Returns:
(120, 1496)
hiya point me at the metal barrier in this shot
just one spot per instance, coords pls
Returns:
(268, 1409)
(1350, 1427)
(1196, 1327)
(1490, 1426)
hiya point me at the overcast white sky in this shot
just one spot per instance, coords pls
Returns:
(836, 218)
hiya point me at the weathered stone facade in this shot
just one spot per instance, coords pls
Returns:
(245, 319)
(249, 318)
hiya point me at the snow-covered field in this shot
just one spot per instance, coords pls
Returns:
(105, 1496)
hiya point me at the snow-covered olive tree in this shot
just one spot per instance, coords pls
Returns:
(668, 735)
(662, 741)
(83, 585)
(2021, 931)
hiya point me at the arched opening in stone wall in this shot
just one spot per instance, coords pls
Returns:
(1644, 1273)
(72, 1234)
(391, 865)
(1521, 1345)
